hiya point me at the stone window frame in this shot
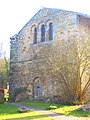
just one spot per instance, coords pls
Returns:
(43, 32)
(40, 34)
(33, 34)
(50, 31)
(48, 28)
(38, 26)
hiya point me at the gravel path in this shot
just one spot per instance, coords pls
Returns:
(51, 114)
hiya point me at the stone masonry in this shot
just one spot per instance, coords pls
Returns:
(28, 58)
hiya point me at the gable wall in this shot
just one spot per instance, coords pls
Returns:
(29, 60)
(64, 23)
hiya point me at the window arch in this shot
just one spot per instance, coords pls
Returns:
(50, 31)
(35, 35)
(43, 33)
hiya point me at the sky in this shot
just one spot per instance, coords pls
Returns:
(14, 14)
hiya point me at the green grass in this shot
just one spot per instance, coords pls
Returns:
(62, 109)
(38, 104)
(71, 111)
(9, 112)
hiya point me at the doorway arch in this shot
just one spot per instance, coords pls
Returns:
(37, 88)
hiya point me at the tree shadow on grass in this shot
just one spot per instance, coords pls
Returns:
(69, 112)
(79, 113)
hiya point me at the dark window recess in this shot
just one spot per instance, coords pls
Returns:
(43, 33)
(50, 31)
(35, 35)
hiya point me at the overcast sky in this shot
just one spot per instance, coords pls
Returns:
(14, 14)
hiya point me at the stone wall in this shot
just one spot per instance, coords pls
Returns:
(25, 72)
(29, 66)
(64, 23)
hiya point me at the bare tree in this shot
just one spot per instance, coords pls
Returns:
(70, 63)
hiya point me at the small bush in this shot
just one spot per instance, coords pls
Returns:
(51, 107)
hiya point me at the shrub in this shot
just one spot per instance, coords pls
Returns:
(51, 107)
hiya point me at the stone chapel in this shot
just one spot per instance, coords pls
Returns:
(29, 50)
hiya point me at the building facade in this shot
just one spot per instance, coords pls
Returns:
(29, 49)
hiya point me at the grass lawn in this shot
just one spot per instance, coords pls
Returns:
(9, 112)
(62, 109)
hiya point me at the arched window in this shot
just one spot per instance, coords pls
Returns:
(50, 31)
(35, 35)
(43, 33)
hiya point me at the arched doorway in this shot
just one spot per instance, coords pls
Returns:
(37, 88)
